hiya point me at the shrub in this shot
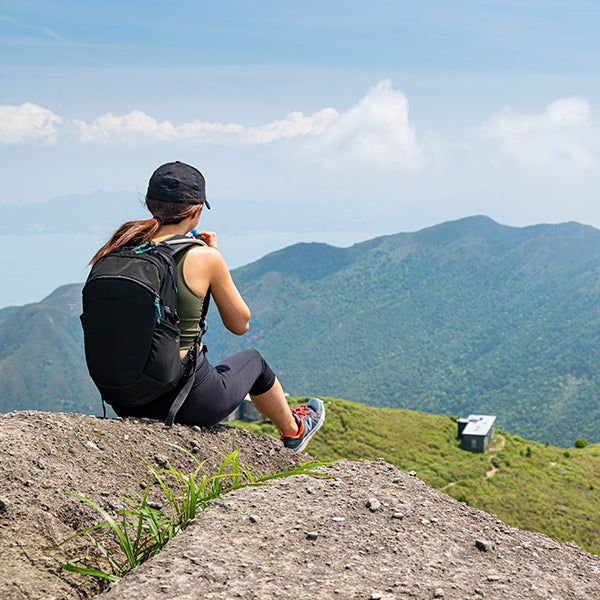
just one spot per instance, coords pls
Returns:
(580, 443)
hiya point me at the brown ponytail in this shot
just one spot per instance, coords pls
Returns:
(134, 233)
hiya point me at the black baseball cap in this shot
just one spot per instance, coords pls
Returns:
(177, 182)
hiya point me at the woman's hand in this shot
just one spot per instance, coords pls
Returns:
(209, 238)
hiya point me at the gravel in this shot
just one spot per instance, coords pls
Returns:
(365, 531)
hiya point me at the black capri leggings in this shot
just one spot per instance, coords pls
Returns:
(216, 390)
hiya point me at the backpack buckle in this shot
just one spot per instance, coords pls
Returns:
(145, 247)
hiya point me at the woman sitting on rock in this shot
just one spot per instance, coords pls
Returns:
(175, 198)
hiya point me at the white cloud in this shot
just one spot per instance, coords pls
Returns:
(22, 26)
(295, 124)
(374, 133)
(564, 135)
(128, 128)
(28, 123)
(137, 127)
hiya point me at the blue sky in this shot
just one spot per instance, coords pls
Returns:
(407, 113)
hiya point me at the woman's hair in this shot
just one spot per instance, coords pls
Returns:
(134, 233)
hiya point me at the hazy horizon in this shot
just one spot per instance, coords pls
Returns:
(49, 257)
(389, 115)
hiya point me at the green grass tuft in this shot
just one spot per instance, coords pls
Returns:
(141, 530)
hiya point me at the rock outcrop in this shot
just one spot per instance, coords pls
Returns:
(366, 531)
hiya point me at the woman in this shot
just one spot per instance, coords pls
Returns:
(175, 198)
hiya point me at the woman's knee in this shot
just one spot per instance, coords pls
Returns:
(265, 381)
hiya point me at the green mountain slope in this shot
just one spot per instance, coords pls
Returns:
(465, 317)
(41, 357)
(527, 484)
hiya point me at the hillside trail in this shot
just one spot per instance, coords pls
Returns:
(364, 530)
(498, 444)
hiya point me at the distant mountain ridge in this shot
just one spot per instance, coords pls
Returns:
(464, 317)
(101, 212)
(97, 212)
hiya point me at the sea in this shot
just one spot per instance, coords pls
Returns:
(32, 266)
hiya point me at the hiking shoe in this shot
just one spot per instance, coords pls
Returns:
(310, 417)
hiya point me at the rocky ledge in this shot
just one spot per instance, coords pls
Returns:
(366, 531)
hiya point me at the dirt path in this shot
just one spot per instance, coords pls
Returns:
(497, 445)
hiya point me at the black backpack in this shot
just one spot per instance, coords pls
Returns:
(129, 320)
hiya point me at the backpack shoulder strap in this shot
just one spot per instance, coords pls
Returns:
(190, 363)
(182, 243)
(179, 243)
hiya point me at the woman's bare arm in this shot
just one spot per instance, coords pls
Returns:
(204, 267)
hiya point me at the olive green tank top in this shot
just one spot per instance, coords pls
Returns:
(189, 308)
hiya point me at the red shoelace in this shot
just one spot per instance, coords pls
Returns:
(301, 411)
